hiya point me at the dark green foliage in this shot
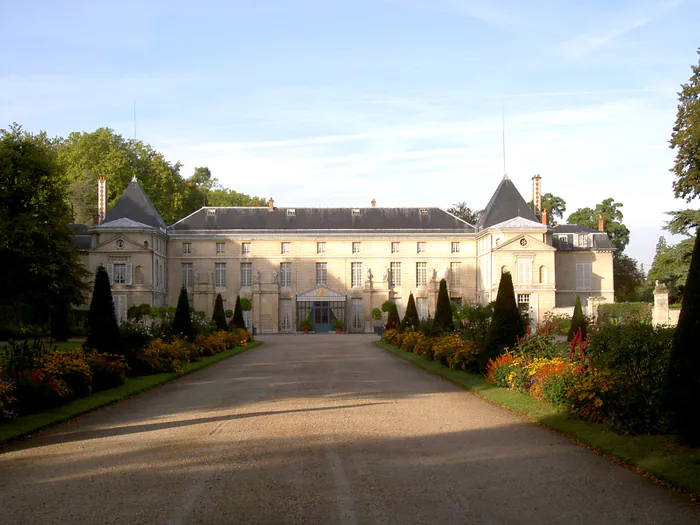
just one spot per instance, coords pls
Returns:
(135, 338)
(428, 328)
(60, 327)
(443, 310)
(474, 321)
(410, 318)
(506, 325)
(578, 322)
(44, 274)
(238, 321)
(393, 319)
(103, 330)
(635, 359)
(683, 384)
(622, 313)
(219, 316)
(182, 323)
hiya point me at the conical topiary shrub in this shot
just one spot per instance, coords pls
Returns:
(219, 316)
(103, 330)
(578, 322)
(506, 324)
(682, 389)
(410, 318)
(393, 319)
(443, 309)
(238, 321)
(182, 323)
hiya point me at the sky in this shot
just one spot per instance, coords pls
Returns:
(336, 102)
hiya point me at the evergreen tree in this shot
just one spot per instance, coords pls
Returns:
(578, 321)
(103, 330)
(683, 379)
(219, 317)
(506, 325)
(410, 318)
(393, 319)
(238, 321)
(443, 309)
(182, 323)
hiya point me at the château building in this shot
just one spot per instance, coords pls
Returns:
(339, 263)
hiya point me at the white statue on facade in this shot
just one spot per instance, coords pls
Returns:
(211, 277)
(274, 276)
(257, 276)
(196, 276)
(385, 277)
(369, 274)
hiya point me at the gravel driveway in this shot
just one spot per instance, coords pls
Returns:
(318, 429)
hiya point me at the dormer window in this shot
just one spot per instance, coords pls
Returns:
(584, 240)
(211, 212)
(563, 241)
(291, 212)
(424, 211)
(356, 211)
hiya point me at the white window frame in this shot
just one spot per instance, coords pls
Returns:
(321, 274)
(186, 275)
(584, 276)
(245, 248)
(395, 247)
(356, 314)
(320, 247)
(246, 275)
(119, 272)
(454, 247)
(395, 274)
(220, 275)
(286, 274)
(584, 240)
(220, 248)
(422, 307)
(356, 274)
(524, 270)
(421, 274)
(186, 248)
(420, 247)
(455, 273)
(286, 315)
(356, 247)
(286, 248)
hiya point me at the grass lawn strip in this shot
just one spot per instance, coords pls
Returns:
(661, 457)
(25, 425)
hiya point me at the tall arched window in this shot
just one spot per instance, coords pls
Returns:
(543, 274)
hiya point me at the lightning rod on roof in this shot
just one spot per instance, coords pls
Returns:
(503, 128)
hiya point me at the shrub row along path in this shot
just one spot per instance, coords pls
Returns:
(318, 429)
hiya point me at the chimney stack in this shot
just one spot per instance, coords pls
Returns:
(270, 205)
(601, 224)
(544, 216)
(101, 199)
(374, 202)
(537, 194)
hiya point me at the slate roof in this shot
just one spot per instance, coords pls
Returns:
(261, 218)
(81, 236)
(134, 204)
(601, 241)
(506, 203)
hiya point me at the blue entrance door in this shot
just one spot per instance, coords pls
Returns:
(322, 316)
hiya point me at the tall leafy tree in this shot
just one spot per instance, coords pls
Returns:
(685, 139)
(103, 330)
(464, 212)
(683, 380)
(628, 278)
(44, 275)
(671, 265)
(506, 324)
(612, 221)
(555, 206)
(443, 309)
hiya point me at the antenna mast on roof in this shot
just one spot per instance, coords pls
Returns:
(134, 119)
(503, 127)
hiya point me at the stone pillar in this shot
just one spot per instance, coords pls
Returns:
(659, 315)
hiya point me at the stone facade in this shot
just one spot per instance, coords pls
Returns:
(288, 261)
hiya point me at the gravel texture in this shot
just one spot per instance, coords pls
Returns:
(318, 429)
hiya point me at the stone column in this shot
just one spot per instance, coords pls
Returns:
(660, 313)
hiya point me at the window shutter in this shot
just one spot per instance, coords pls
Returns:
(128, 273)
(109, 272)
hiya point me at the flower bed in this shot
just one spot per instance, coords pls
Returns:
(36, 376)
